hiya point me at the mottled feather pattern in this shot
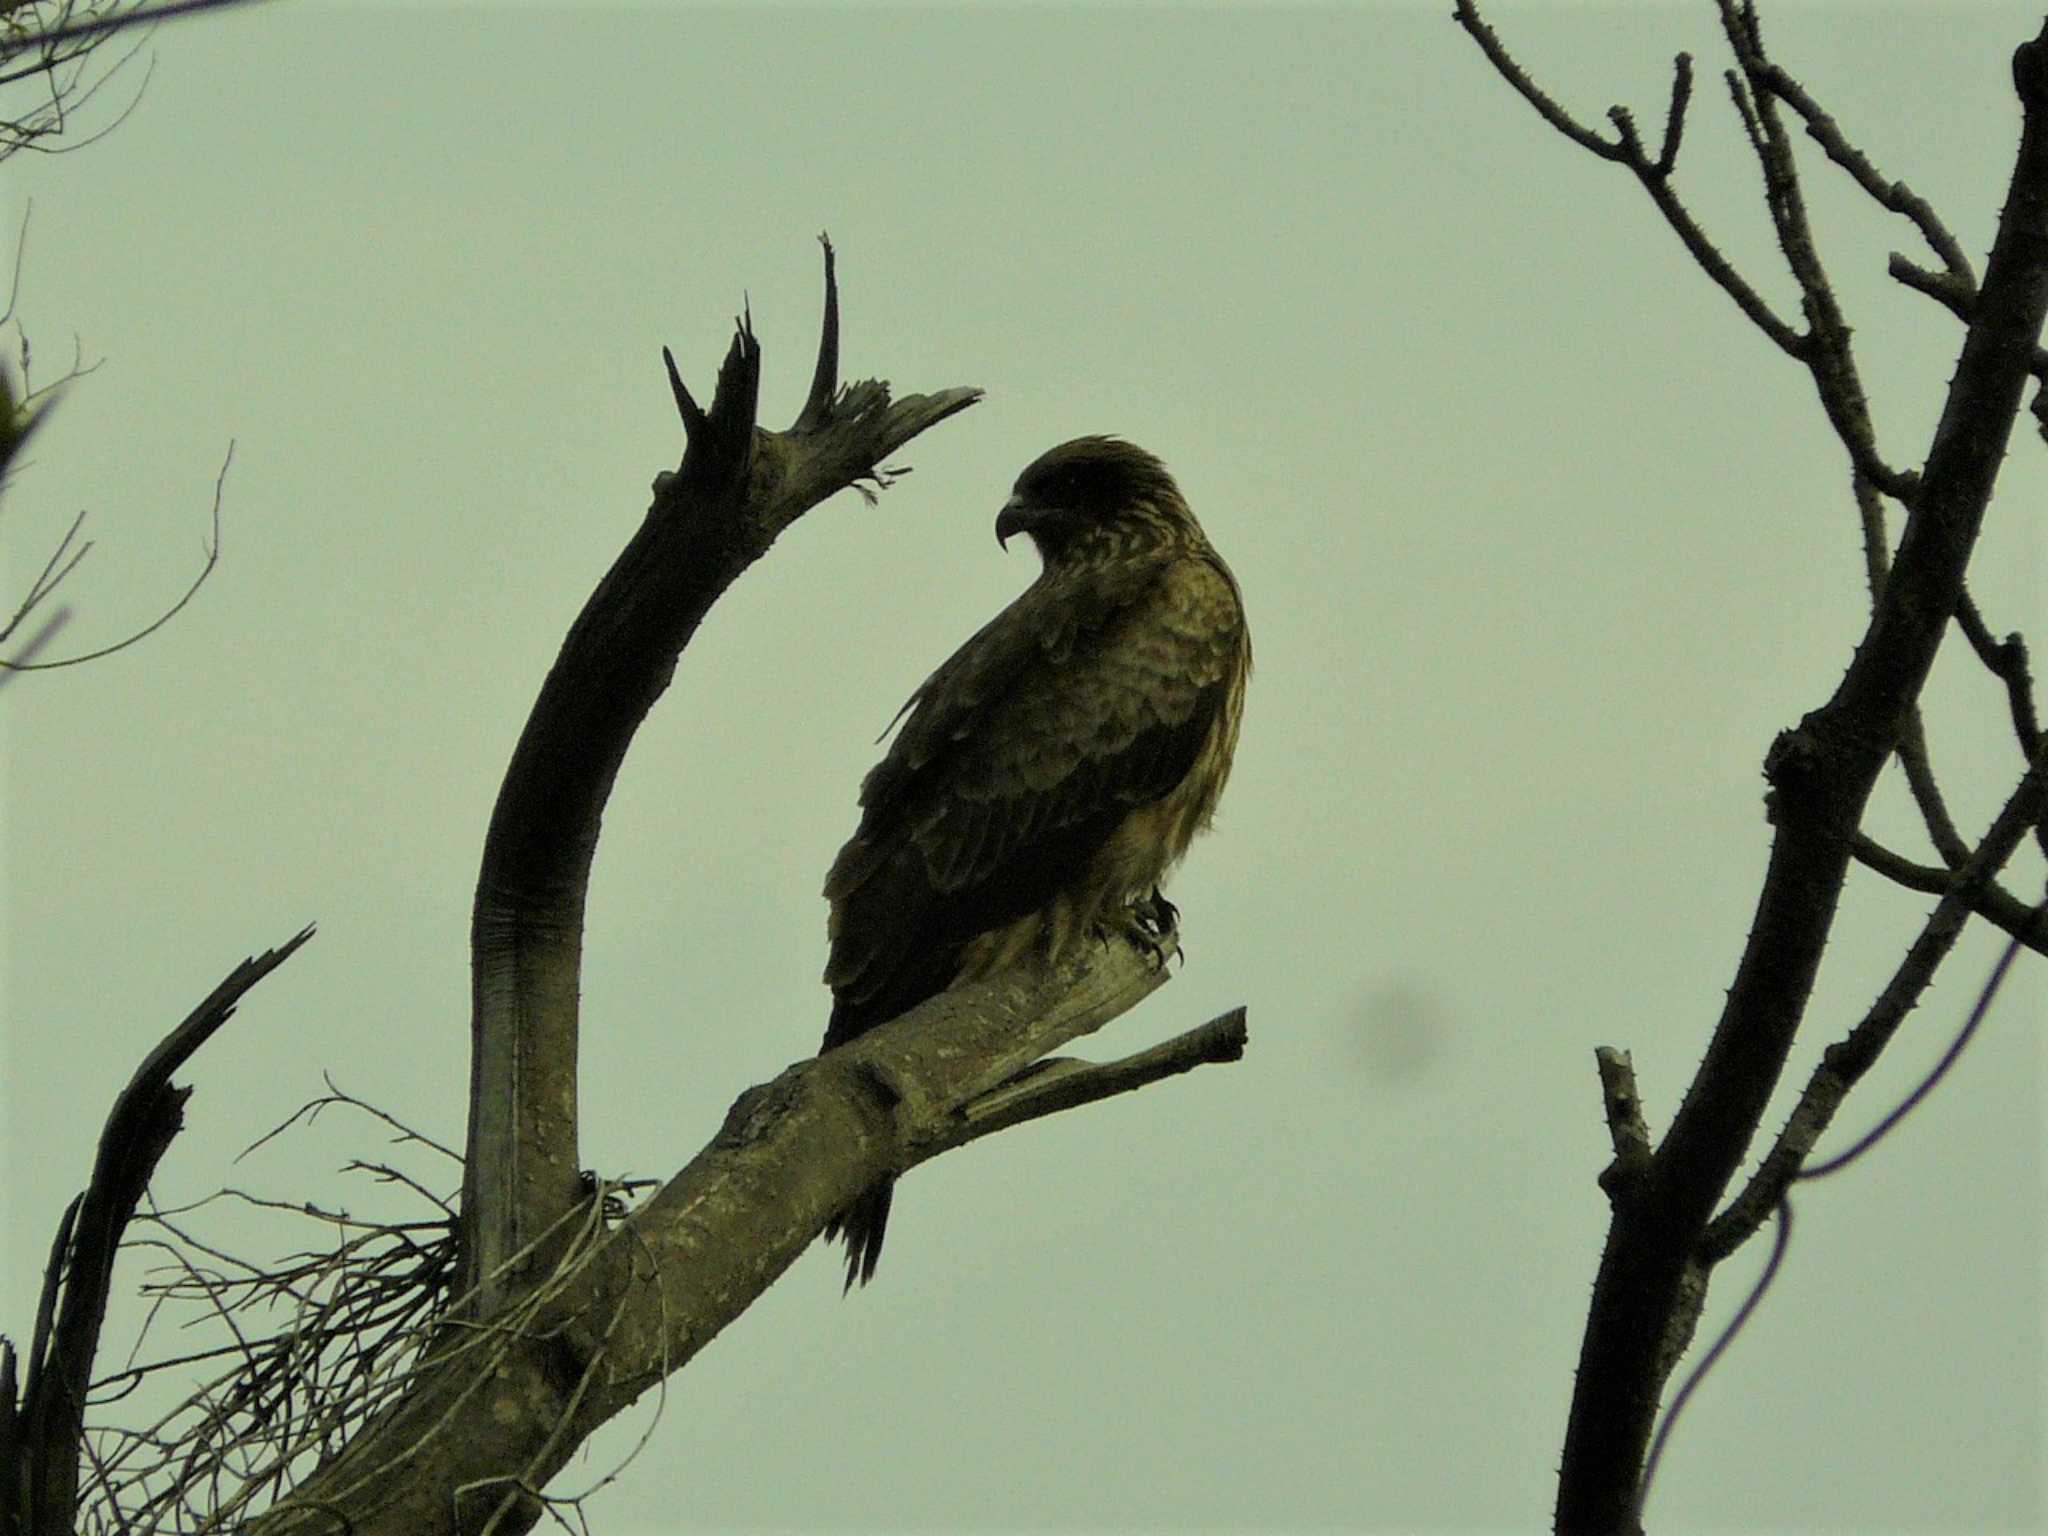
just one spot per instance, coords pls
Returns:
(1055, 768)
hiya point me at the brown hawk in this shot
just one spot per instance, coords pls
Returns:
(1054, 770)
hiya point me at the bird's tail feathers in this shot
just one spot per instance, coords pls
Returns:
(862, 1224)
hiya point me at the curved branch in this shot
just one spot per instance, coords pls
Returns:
(49, 584)
(825, 377)
(1466, 13)
(1655, 175)
(736, 489)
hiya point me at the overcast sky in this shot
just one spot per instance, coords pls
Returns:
(1541, 546)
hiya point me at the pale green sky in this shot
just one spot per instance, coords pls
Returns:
(1541, 547)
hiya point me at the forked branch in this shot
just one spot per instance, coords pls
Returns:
(737, 487)
(1654, 1271)
(1844, 1063)
(1821, 775)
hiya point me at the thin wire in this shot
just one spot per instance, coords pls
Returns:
(1735, 1326)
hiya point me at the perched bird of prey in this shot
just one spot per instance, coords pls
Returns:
(1054, 769)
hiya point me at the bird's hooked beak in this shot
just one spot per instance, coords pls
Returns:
(1018, 516)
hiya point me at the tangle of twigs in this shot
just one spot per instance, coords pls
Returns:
(299, 1352)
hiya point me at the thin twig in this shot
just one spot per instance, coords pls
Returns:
(1626, 149)
(2006, 660)
(1927, 1084)
(1844, 1063)
(120, 21)
(1674, 116)
(1992, 902)
(1058, 1084)
(1466, 13)
(1894, 196)
(212, 548)
(1831, 357)
(359, 1314)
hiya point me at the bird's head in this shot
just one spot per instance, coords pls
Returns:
(1093, 490)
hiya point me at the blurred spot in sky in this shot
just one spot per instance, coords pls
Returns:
(1401, 1030)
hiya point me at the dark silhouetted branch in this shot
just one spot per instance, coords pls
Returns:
(736, 489)
(1844, 1063)
(1627, 1129)
(1821, 775)
(1626, 149)
(1992, 902)
(145, 1117)
(2005, 660)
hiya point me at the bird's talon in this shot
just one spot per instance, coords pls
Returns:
(1164, 915)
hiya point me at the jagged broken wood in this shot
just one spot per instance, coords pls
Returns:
(562, 1320)
(737, 488)
(41, 1438)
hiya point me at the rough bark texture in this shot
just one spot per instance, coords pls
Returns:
(627, 1304)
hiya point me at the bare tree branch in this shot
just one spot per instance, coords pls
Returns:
(1467, 15)
(1843, 1064)
(1914, 757)
(1712, 1357)
(1060, 1084)
(62, 562)
(1895, 196)
(735, 491)
(1991, 901)
(1674, 116)
(46, 46)
(505, 1406)
(145, 1117)
(1829, 355)
(1944, 288)
(1655, 175)
(1627, 1130)
(48, 584)
(113, 19)
(2005, 660)
(1821, 774)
